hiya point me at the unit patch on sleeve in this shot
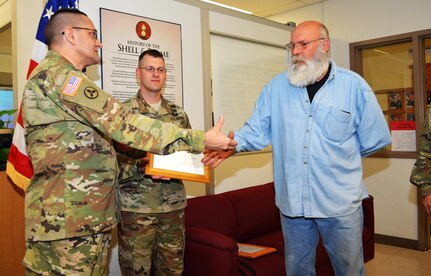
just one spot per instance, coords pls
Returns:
(72, 84)
(91, 92)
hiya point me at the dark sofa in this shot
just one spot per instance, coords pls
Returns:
(215, 223)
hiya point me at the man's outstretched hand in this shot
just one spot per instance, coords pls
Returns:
(214, 158)
(215, 140)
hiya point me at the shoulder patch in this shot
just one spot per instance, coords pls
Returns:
(91, 92)
(72, 84)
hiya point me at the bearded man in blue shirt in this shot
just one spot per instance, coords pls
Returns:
(321, 120)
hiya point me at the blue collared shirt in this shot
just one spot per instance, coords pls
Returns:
(317, 148)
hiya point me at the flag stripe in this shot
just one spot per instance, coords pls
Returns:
(31, 67)
(39, 51)
(17, 177)
(18, 166)
(21, 166)
(20, 145)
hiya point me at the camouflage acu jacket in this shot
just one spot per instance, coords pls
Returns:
(69, 122)
(138, 192)
(421, 172)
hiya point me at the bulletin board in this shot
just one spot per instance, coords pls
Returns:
(240, 69)
(398, 106)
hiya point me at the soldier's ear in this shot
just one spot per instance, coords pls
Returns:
(138, 75)
(70, 35)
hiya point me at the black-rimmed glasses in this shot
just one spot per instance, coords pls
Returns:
(301, 45)
(94, 31)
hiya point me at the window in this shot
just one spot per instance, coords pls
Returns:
(6, 103)
(6, 93)
(240, 69)
(398, 69)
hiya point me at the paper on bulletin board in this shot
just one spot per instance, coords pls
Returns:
(403, 136)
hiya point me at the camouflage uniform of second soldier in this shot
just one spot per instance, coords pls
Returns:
(421, 172)
(70, 202)
(151, 230)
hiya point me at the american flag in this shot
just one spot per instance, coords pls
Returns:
(72, 85)
(18, 166)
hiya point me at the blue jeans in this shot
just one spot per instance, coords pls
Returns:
(342, 238)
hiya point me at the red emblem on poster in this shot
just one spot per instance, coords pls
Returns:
(143, 30)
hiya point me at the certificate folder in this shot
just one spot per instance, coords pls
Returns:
(253, 251)
(180, 165)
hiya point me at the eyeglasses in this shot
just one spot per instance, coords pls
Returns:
(151, 69)
(94, 31)
(301, 45)
(88, 29)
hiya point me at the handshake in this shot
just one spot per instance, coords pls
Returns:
(218, 147)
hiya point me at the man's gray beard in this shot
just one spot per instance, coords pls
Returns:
(305, 74)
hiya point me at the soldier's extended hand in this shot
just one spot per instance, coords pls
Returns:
(214, 158)
(215, 140)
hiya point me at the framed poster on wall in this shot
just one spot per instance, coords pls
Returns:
(124, 37)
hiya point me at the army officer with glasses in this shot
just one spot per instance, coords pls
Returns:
(70, 124)
(151, 231)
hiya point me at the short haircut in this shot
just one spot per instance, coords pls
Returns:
(152, 53)
(60, 20)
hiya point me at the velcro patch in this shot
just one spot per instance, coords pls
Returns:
(72, 84)
(91, 92)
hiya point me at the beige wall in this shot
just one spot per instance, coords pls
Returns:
(5, 13)
(24, 26)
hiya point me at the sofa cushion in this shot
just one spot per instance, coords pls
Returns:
(267, 265)
(255, 211)
(273, 239)
(213, 212)
(205, 249)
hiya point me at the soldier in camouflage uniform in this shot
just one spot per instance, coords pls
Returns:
(69, 125)
(421, 172)
(151, 230)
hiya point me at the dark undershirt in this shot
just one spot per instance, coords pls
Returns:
(313, 88)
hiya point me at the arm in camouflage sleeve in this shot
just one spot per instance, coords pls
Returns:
(129, 168)
(108, 115)
(421, 172)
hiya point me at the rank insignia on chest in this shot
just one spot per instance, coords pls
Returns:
(72, 84)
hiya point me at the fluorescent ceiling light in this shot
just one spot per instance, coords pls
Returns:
(226, 6)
